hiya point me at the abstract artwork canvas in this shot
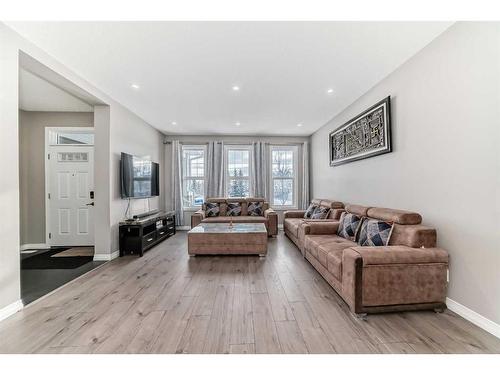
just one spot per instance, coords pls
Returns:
(366, 135)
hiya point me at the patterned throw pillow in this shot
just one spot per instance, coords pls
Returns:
(310, 211)
(374, 233)
(233, 209)
(255, 208)
(320, 213)
(349, 225)
(212, 209)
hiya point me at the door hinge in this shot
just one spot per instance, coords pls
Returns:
(50, 235)
(48, 195)
(48, 156)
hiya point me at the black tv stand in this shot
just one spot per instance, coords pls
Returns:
(137, 236)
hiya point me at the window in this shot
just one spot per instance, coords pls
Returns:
(237, 167)
(284, 176)
(193, 175)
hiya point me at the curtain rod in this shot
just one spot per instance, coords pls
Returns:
(238, 143)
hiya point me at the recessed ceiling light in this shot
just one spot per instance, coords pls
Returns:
(237, 124)
(329, 91)
(299, 125)
(174, 123)
(236, 88)
(135, 86)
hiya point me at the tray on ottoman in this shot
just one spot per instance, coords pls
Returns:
(222, 238)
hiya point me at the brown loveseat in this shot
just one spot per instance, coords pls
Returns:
(293, 220)
(268, 216)
(408, 274)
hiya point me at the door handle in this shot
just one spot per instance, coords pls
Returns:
(90, 204)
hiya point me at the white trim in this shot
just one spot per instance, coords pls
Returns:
(474, 317)
(183, 227)
(228, 178)
(106, 257)
(37, 246)
(48, 129)
(295, 178)
(11, 309)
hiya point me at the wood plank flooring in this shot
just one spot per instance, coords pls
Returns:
(166, 302)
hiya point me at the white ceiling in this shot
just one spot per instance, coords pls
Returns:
(36, 94)
(186, 70)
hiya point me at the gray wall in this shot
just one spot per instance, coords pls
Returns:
(445, 164)
(227, 140)
(111, 120)
(132, 135)
(32, 166)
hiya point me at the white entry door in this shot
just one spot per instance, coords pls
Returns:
(70, 189)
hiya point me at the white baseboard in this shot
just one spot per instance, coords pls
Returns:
(106, 257)
(183, 227)
(29, 246)
(474, 317)
(11, 309)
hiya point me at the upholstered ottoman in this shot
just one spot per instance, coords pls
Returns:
(222, 238)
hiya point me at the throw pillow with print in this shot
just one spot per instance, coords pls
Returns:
(320, 213)
(233, 209)
(255, 208)
(212, 209)
(349, 226)
(310, 211)
(375, 233)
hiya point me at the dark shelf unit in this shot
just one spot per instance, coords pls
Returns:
(140, 235)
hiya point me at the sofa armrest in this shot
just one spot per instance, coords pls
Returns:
(297, 214)
(197, 218)
(376, 279)
(272, 221)
(372, 255)
(320, 227)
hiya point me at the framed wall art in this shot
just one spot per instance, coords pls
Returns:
(364, 136)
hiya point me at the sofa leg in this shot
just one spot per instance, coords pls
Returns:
(262, 255)
(362, 316)
(439, 310)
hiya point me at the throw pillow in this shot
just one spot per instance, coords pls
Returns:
(374, 233)
(233, 209)
(255, 208)
(320, 213)
(349, 226)
(310, 211)
(212, 209)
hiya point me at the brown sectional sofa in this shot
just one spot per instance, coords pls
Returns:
(408, 274)
(269, 216)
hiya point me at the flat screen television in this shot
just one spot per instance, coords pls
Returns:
(140, 177)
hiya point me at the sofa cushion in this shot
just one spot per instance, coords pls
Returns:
(313, 242)
(374, 233)
(310, 211)
(256, 208)
(334, 246)
(212, 209)
(357, 209)
(292, 225)
(349, 226)
(233, 209)
(320, 213)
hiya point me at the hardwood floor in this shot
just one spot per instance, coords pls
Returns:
(167, 302)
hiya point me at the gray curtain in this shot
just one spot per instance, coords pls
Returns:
(215, 170)
(305, 176)
(176, 182)
(259, 175)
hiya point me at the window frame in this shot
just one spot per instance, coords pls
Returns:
(294, 178)
(190, 178)
(228, 178)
